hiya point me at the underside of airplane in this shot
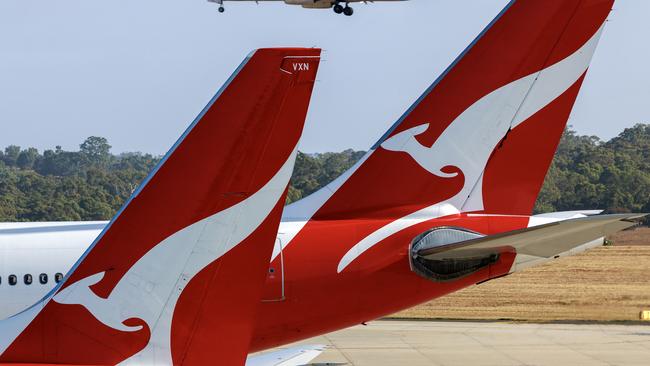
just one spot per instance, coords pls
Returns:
(339, 6)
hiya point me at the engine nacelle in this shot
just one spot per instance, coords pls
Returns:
(444, 267)
(311, 4)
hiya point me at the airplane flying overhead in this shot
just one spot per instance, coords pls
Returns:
(339, 6)
(441, 202)
(176, 276)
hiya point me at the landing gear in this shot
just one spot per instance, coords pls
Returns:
(220, 2)
(347, 10)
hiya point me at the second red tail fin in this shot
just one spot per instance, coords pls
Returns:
(176, 277)
(481, 137)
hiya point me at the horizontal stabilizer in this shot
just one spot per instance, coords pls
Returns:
(544, 241)
(563, 215)
(294, 356)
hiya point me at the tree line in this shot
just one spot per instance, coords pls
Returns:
(92, 183)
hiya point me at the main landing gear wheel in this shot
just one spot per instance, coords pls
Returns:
(348, 11)
(338, 8)
(220, 2)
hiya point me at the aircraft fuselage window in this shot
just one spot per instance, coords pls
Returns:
(42, 278)
(27, 279)
(58, 277)
(13, 280)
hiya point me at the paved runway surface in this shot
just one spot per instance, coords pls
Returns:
(475, 343)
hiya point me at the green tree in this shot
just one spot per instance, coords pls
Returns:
(27, 158)
(590, 174)
(59, 163)
(95, 151)
(11, 155)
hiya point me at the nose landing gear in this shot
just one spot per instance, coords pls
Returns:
(347, 9)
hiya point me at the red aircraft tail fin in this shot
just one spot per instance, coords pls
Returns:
(481, 138)
(177, 275)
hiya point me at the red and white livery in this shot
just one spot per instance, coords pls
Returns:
(444, 199)
(441, 202)
(176, 276)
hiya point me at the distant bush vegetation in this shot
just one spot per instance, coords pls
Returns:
(92, 183)
(58, 185)
(588, 173)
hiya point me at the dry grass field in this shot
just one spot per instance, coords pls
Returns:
(609, 283)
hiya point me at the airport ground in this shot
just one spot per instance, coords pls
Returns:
(580, 310)
(449, 343)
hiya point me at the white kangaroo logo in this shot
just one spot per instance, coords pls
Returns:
(430, 159)
(102, 309)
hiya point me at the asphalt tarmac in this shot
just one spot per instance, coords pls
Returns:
(420, 343)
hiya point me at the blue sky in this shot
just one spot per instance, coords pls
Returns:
(137, 72)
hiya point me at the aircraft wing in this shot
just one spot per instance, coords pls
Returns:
(544, 241)
(294, 356)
